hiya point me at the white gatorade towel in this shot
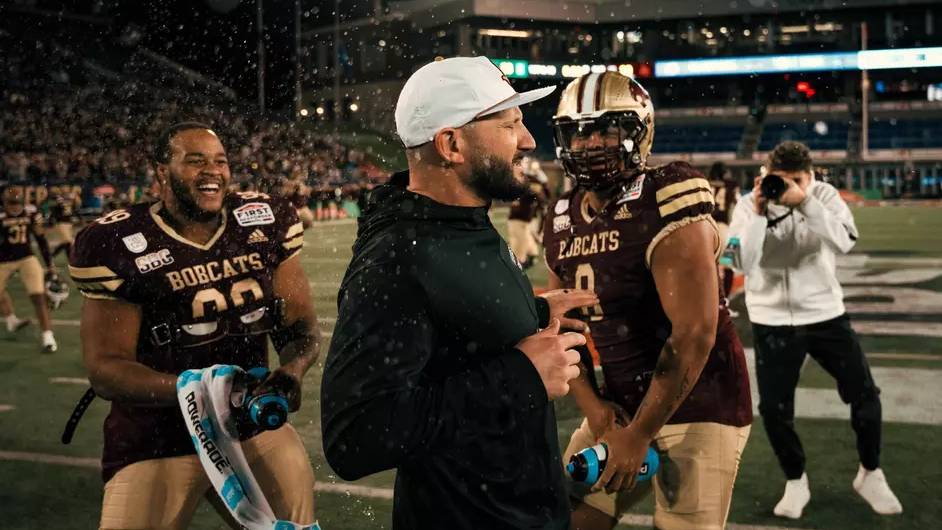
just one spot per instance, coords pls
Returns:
(204, 401)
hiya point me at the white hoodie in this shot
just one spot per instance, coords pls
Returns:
(790, 268)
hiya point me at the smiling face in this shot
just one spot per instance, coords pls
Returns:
(194, 181)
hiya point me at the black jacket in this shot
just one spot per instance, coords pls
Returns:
(422, 373)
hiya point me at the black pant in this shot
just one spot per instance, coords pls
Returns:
(780, 352)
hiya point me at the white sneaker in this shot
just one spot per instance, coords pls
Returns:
(795, 498)
(15, 324)
(49, 342)
(872, 486)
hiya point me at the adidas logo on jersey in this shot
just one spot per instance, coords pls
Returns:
(257, 237)
(623, 213)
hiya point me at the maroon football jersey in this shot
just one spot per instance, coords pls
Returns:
(201, 304)
(610, 254)
(15, 231)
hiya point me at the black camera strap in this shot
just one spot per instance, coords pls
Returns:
(774, 222)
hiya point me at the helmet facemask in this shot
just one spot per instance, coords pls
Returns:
(602, 166)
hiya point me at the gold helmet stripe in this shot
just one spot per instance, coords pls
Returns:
(588, 95)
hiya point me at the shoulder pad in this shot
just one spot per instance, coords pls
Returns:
(681, 191)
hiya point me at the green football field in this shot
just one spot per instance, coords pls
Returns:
(44, 484)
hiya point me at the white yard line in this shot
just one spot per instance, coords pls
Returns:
(864, 260)
(68, 380)
(647, 521)
(325, 285)
(327, 487)
(905, 356)
(6, 408)
(332, 222)
(353, 489)
(908, 395)
(895, 328)
(44, 458)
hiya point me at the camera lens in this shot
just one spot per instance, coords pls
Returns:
(773, 186)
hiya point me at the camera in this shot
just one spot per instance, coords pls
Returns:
(773, 186)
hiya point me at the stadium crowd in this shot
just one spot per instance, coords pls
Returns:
(93, 136)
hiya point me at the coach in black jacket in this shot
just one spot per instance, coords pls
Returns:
(437, 367)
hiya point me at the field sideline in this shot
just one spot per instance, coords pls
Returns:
(45, 484)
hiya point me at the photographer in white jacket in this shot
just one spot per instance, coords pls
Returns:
(786, 248)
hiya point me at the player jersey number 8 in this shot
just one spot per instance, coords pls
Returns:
(585, 279)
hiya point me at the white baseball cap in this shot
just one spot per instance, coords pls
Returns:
(451, 93)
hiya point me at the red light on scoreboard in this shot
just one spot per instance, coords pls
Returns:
(804, 87)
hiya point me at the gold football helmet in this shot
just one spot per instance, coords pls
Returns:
(619, 111)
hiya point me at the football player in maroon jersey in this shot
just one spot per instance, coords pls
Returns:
(19, 224)
(644, 240)
(200, 277)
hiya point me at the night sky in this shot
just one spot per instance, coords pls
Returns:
(221, 45)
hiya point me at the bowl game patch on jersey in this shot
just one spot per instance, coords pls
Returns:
(253, 214)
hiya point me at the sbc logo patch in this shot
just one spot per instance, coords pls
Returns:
(153, 261)
(560, 223)
(254, 213)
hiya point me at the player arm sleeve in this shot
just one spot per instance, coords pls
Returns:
(290, 237)
(750, 229)
(379, 406)
(94, 277)
(829, 217)
(680, 203)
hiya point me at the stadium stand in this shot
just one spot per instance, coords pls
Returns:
(819, 135)
(70, 118)
(903, 133)
(697, 138)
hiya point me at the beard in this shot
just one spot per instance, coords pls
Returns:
(492, 178)
(186, 201)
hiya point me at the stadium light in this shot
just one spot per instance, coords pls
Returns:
(319, 111)
(904, 58)
(807, 62)
(304, 112)
(513, 68)
(513, 33)
(354, 107)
